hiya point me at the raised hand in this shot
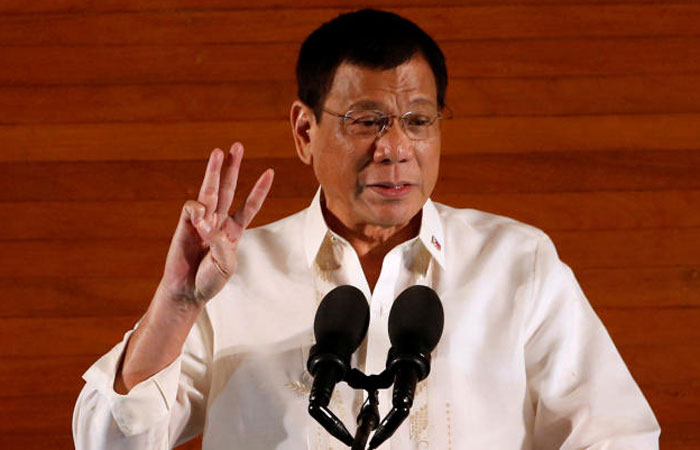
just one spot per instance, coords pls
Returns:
(202, 254)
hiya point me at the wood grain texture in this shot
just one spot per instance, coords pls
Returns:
(43, 297)
(537, 172)
(461, 23)
(81, 296)
(272, 139)
(134, 64)
(15, 375)
(78, 336)
(121, 258)
(638, 248)
(188, 104)
(185, 6)
(621, 288)
(154, 219)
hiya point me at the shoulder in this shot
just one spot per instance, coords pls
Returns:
(475, 238)
(470, 223)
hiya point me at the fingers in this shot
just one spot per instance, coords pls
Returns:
(217, 191)
(209, 192)
(229, 179)
(245, 214)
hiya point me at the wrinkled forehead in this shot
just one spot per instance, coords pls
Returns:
(411, 84)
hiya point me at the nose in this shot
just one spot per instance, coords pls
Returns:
(393, 145)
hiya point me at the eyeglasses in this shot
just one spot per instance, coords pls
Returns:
(366, 123)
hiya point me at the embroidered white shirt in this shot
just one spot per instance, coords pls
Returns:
(523, 362)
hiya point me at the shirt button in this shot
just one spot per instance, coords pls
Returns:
(423, 445)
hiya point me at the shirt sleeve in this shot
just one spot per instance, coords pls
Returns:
(583, 394)
(160, 412)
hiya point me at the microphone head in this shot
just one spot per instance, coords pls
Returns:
(416, 320)
(341, 321)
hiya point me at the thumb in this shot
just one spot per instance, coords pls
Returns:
(194, 212)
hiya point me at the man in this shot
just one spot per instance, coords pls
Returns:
(523, 361)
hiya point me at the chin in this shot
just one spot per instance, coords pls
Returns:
(387, 217)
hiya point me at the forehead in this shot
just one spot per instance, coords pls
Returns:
(412, 82)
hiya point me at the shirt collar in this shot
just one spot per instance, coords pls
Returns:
(430, 234)
(315, 228)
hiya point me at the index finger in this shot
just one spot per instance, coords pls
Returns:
(209, 192)
(229, 179)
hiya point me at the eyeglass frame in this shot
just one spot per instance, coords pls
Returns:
(389, 118)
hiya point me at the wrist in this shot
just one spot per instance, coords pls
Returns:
(177, 301)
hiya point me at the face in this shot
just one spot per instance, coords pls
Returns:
(377, 181)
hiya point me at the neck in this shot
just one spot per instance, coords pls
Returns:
(373, 240)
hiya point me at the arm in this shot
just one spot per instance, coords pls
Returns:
(161, 411)
(146, 369)
(582, 392)
(201, 258)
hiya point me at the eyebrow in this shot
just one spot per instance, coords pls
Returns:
(423, 101)
(366, 104)
(371, 104)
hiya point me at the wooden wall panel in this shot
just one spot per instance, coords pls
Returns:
(91, 6)
(255, 100)
(48, 296)
(120, 258)
(469, 174)
(581, 117)
(287, 25)
(272, 139)
(550, 211)
(138, 64)
(663, 287)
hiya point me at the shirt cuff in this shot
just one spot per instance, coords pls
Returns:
(147, 403)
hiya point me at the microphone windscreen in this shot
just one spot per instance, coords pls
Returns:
(416, 320)
(341, 321)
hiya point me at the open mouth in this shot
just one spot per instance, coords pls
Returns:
(390, 189)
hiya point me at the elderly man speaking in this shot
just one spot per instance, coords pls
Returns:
(523, 363)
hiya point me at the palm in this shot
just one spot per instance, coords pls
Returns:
(202, 254)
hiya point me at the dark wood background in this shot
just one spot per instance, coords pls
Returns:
(581, 117)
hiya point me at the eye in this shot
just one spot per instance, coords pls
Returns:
(367, 121)
(417, 120)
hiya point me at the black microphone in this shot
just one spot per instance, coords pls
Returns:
(416, 321)
(340, 326)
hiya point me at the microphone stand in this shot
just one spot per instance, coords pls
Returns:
(367, 420)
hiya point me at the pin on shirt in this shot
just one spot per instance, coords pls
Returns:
(436, 243)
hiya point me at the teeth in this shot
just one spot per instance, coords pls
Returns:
(392, 186)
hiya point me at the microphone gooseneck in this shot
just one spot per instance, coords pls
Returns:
(340, 326)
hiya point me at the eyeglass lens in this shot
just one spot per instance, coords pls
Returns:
(373, 123)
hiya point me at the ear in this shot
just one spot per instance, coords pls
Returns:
(302, 118)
